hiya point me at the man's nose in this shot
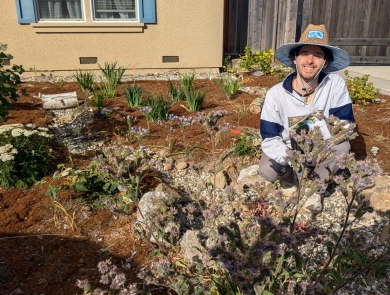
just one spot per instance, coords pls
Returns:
(310, 58)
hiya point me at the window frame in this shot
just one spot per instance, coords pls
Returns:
(99, 20)
(60, 20)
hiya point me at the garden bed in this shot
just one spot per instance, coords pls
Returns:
(40, 254)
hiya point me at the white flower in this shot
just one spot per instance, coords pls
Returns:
(31, 126)
(17, 132)
(43, 129)
(6, 157)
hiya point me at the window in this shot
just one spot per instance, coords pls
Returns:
(32, 11)
(105, 10)
(59, 10)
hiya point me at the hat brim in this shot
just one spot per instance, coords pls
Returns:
(341, 58)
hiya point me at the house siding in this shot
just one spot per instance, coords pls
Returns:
(193, 34)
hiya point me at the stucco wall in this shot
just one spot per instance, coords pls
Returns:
(192, 30)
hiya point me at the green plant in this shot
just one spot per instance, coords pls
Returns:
(113, 75)
(133, 95)
(98, 99)
(175, 93)
(227, 65)
(244, 146)
(187, 82)
(241, 110)
(257, 60)
(229, 85)
(85, 80)
(9, 78)
(24, 155)
(94, 188)
(194, 100)
(360, 91)
(160, 107)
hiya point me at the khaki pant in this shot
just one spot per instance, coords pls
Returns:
(271, 170)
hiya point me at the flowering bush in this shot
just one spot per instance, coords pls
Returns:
(9, 78)
(359, 90)
(24, 155)
(260, 60)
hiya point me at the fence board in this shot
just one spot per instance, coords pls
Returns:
(360, 27)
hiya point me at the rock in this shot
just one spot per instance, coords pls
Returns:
(220, 180)
(379, 195)
(181, 165)
(168, 166)
(150, 207)
(313, 204)
(163, 187)
(190, 246)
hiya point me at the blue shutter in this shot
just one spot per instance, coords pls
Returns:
(147, 10)
(25, 11)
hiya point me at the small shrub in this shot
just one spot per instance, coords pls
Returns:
(244, 146)
(133, 95)
(229, 85)
(113, 75)
(160, 107)
(85, 80)
(227, 66)
(24, 155)
(99, 99)
(187, 83)
(175, 93)
(360, 91)
(194, 100)
(257, 60)
(9, 78)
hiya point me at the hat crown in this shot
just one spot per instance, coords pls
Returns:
(315, 34)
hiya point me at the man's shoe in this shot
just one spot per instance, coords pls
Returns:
(314, 204)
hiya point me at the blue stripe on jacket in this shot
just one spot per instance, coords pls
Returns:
(343, 113)
(270, 129)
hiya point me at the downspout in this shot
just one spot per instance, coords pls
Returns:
(298, 29)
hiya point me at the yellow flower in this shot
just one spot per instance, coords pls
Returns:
(243, 69)
(257, 53)
(123, 193)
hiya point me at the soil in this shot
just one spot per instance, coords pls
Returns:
(40, 254)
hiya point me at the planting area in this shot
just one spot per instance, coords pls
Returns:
(42, 253)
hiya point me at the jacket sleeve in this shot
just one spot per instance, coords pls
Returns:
(341, 101)
(271, 128)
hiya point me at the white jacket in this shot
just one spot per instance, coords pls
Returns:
(283, 107)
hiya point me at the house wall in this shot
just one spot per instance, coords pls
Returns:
(195, 34)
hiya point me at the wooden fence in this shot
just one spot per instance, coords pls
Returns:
(361, 27)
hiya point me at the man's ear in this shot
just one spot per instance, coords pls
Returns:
(294, 61)
(326, 64)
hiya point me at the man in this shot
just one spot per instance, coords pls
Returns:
(310, 89)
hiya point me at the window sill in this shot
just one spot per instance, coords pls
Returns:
(117, 27)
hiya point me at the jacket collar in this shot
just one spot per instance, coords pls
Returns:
(287, 83)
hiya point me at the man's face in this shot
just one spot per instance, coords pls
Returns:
(309, 61)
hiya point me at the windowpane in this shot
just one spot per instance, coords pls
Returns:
(59, 10)
(114, 9)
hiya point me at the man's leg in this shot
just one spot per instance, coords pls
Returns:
(270, 170)
(331, 162)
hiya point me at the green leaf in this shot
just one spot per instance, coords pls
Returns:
(267, 293)
(329, 247)
(298, 260)
(336, 276)
(181, 263)
(155, 253)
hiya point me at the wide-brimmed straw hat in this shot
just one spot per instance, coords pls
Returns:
(315, 35)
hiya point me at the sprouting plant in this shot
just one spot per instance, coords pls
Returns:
(194, 100)
(227, 66)
(113, 75)
(244, 146)
(229, 85)
(187, 82)
(359, 89)
(184, 123)
(98, 99)
(175, 93)
(160, 107)
(169, 128)
(85, 81)
(9, 79)
(133, 95)
(241, 110)
(147, 112)
(138, 133)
